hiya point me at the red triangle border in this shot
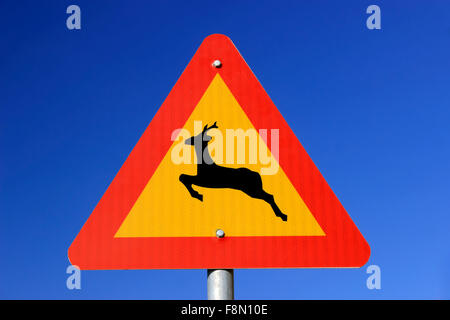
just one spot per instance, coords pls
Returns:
(96, 248)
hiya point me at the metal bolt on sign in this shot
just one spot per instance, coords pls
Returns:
(220, 233)
(217, 63)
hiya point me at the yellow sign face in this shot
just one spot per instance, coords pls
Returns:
(166, 209)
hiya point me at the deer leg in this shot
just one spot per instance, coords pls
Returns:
(270, 200)
(187, 180)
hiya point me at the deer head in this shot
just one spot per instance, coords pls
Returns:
(202, 138)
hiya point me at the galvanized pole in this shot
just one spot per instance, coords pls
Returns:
(220, 284)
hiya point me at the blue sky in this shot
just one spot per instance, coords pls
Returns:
(371, 107)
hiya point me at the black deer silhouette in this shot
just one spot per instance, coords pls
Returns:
(211, 175)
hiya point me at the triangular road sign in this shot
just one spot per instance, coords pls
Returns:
(218, 156)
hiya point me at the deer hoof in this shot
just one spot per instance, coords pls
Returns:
(198, 196)
(283, 217)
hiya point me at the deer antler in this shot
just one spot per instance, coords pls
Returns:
(212, 127)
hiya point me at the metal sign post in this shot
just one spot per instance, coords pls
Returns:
(220, 284)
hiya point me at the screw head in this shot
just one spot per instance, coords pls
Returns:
(217, 63)
(220, 233)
